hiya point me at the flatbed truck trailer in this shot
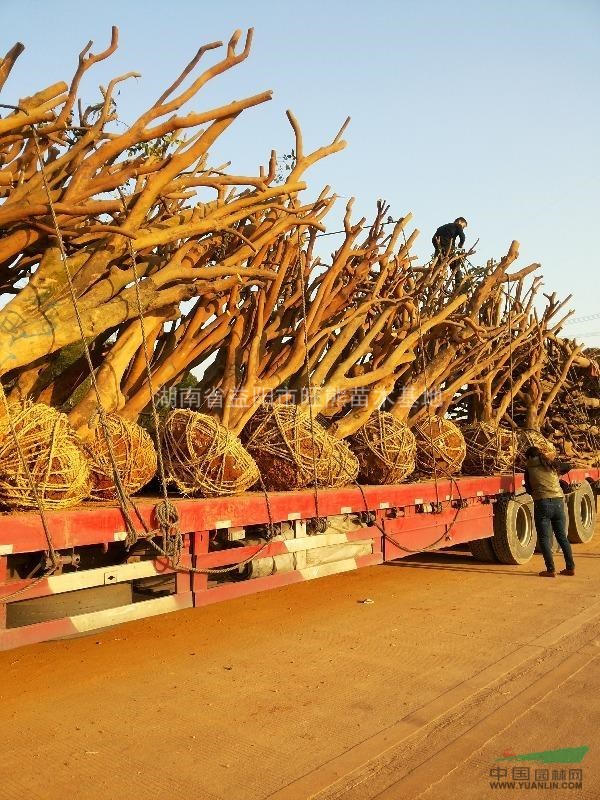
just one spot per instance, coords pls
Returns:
(234, 546)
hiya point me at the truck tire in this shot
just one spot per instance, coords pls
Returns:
(581, 509)
(483, 550)
(514, 530)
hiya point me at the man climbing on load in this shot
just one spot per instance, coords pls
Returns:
(444, 243)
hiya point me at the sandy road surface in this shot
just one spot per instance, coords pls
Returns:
(305, 692)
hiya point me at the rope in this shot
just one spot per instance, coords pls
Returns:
(268, 504)
(165, 510)
(490, 448)
(51, 551)
(204, 456)
(55, 561)
(168, 519)
(427, 395)
(29, 586)
(166, 513)
(430, 547)
(208, 570)
(131, 532)
(308, 377)
(512, 394)
(364, 227)
(385, 448)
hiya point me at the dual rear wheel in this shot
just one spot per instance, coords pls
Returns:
(581, 507)
(515, 538)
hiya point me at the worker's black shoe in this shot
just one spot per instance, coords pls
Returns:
(567, 571)
(547, 574)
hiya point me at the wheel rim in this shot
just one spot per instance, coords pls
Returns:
(523, 526)
(586, 511)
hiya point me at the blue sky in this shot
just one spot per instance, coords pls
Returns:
(488, 109)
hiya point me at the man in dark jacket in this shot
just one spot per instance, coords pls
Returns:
(444, 239)
(444, 242)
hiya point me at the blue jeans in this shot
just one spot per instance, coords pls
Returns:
(550, 517)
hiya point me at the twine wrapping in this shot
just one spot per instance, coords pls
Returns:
(338, 466)
(490, 449)
(385, 448)
(134, 454)
(50, 448)
(289, 449)
(440, 446)
(529, 438)
(203, 457)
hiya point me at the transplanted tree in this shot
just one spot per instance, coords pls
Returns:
(134, 240)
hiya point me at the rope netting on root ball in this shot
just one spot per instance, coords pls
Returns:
(133, 452)
(203, 457)
(41, 437)
(441, 446)
(338, 466)
(292, 451)
(490, 449)
(385, 448)
(529, 438)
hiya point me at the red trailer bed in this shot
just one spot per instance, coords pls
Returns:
(101, 583)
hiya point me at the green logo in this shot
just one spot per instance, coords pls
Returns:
(566, 755)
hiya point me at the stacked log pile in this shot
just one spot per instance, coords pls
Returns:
(118, 279)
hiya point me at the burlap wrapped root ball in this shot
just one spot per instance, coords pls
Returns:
(490, 449)
(203, 458)
(292, 451)
(385, 448)
(527, 438)
(39, 447)
(441, 446)
(133, 452)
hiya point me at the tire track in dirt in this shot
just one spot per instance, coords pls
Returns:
(340, 775)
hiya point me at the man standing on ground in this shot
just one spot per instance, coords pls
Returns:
(542, 483)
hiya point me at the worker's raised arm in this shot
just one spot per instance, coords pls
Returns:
(460, 223)
(562, 467)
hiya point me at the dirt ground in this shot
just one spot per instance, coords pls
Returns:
(307, 692)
